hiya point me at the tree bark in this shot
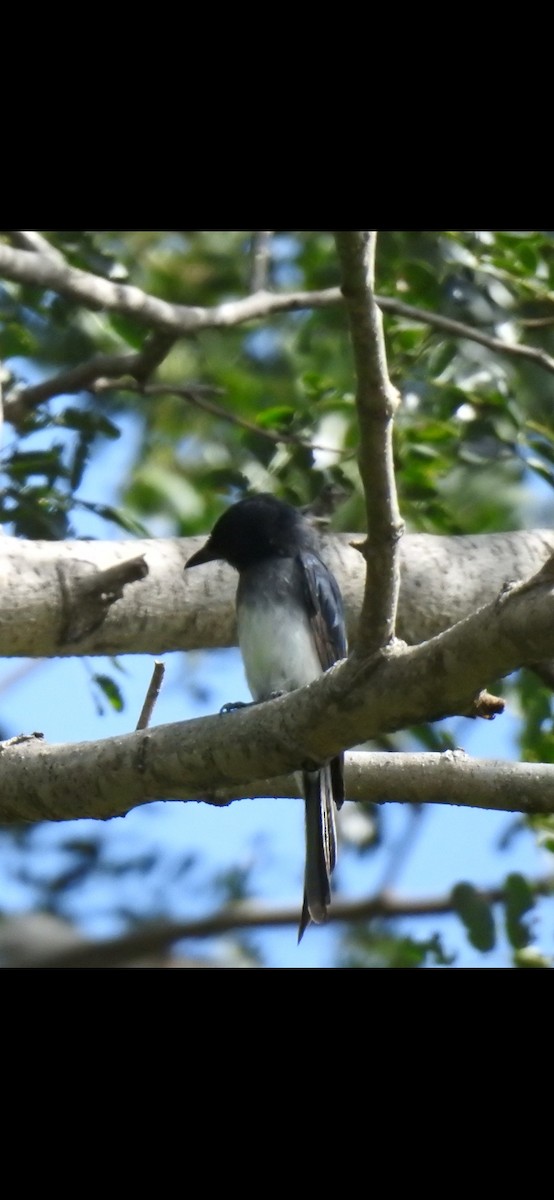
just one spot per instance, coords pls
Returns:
(45, 588)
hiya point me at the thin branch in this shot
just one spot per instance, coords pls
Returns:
(138, 365)
(151, 695)
(94, 292)
(154, 937)
(260, 252)
(20, 672)
(536, 322)
(376, 402)
(458, 329)
(194, 395)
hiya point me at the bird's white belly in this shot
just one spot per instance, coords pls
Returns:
(278, 653)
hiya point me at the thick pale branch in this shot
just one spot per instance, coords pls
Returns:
(443, 580)
(376, 402)
(95, 292)
(451, 778)
(30, 239)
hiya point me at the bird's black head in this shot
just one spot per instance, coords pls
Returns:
(256, 528)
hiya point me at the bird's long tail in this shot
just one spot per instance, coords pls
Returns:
(322, 790)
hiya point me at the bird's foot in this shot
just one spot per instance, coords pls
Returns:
(234, 704)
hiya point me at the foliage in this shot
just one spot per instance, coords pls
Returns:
(269, 405)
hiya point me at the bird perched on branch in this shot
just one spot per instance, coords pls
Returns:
(291, 629)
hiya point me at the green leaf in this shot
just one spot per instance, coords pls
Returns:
(368, 948)
(315, 385)
(80, 460)
(128, 330)
(36, 462)
(441, 355)
(528, 258)
(423, 284)
(86, 421)
(117, 515)
(110, 690)
(279, 415)
(476, 915)
(519, 901)
(38, 512)
(540, 469)
(531, 957)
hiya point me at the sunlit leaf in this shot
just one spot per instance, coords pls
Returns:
(110, 690)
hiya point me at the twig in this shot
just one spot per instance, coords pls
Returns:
(376, 402)
(536, 322)
(88, 596)
(194, 395)
(458, 329)
(261, 258)
(21, 672)
(151, 695)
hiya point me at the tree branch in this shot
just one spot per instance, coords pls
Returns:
(30, 239)
(94, 292)
(153, 937)
(376, 402)
(138, 366)
(37, 783)
(194, 394)
(151, 696)
(458, 329)
(353, 702)
(443, 580)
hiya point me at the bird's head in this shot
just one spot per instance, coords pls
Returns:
(251, 530)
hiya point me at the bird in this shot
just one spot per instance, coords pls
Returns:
(291, 629)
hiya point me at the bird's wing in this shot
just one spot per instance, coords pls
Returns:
(325, 608)
(326, 616)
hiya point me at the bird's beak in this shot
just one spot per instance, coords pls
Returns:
(204, 555)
